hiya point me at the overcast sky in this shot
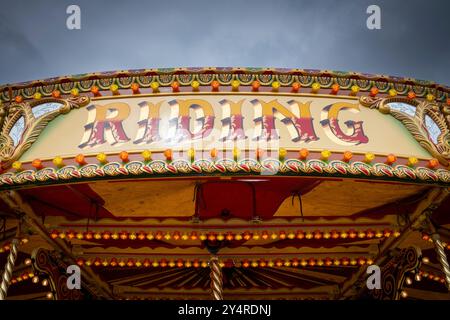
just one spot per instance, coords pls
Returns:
(414, 40)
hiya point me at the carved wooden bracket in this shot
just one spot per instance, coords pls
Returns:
(393, 274)
(22, 123)
(419, 117)
(49, 263)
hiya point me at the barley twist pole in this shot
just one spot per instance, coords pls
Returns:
(7, 273)
(216, 278)
(439, 247)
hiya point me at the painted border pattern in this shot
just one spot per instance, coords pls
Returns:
(205, 76)
(203, 167)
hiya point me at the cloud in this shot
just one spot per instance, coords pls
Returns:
(297, 34)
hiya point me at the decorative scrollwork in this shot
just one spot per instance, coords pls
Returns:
(393, 273)
(416, 124)
(49, 263)
(32, 125)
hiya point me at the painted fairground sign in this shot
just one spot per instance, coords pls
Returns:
(179, 125)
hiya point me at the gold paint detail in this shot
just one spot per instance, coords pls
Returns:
(439, 113)
(32, 126)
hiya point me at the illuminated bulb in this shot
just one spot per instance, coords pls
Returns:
(215, 86)
(337, 262)
(49, 295)
(255, 236)
(167, 236)
(344, 235)
(303, 263)
(425, 260)
(369, 157)
(320, 262)
(411, 95)
(220, 237)
(317, 235)
(155, 87)
(255, 86)
(97, 235)
(184, 236)
(378, 234)
(309, 235)
(354, 90)
(270, 263)
(300, 235)
(229, 236)
(135, 88)
(392, 92)
(114, 89)
(155, 264)
(138, 263)
(45, 282)
(121, 263)
(403, 294)
(408, 281)
(74, 92)
(28, 261)
(171, 264)
(315, 87)
(325, 154)
(35, 279)
(176, 236)
(204, 264)
(335, 88)
(254, 264)
(275, 86)
(352, 234)
(195, 85)
(291, 235)
(235, 85)
(273, 236)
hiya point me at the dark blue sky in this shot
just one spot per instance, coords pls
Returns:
(414, 40)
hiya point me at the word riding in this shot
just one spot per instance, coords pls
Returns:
(190, 120)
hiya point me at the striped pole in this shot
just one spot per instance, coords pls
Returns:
(216, 278)
(7, 273)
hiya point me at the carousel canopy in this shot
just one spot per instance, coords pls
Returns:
(295, 180)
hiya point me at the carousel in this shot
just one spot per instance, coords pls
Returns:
(224, 183)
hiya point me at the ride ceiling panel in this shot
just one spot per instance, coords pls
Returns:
(148, 198)
(345, 198)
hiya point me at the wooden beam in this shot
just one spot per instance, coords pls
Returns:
(23, 209)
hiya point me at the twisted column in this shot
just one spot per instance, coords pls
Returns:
(216, 278)
(439, 247)
(7, 273)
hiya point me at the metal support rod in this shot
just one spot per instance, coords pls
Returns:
(439, 247)
(216, 278)
(9, 267)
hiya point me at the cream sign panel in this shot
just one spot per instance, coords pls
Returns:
(223, 121)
